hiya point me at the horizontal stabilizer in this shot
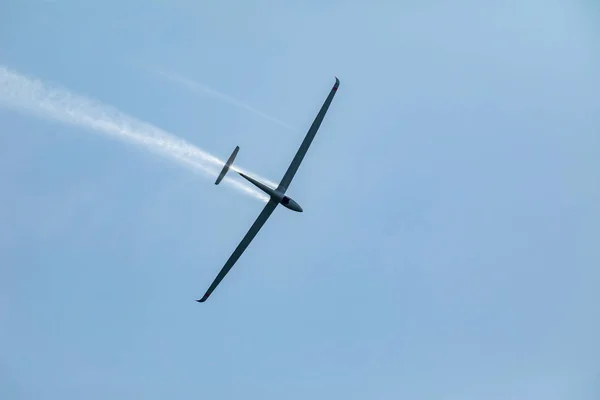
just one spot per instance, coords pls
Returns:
(227, 165)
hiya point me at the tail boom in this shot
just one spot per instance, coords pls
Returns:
(265, 188)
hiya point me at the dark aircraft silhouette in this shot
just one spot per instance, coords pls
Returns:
(277, 195)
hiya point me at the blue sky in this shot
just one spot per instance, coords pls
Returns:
(449, 244)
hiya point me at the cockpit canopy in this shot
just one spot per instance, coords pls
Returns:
(291, 204)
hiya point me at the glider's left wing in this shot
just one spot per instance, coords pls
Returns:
(260, 221)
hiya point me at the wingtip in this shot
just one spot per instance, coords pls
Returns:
(203, 299)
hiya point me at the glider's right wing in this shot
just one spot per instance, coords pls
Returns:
(260, 221)
(310, 135)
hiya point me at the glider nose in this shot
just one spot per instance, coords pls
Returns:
(291, 204)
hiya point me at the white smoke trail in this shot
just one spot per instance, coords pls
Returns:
(31, 95)
(197, 86)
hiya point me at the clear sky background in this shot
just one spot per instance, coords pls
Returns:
(449, 247)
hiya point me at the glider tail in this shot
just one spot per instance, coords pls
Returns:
(227, 165)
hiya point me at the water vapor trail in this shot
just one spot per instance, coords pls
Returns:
(32, 96)
(199, 87)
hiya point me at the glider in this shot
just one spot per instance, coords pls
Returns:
(277, 195)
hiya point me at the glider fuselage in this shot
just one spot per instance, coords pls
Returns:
(278, 195)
